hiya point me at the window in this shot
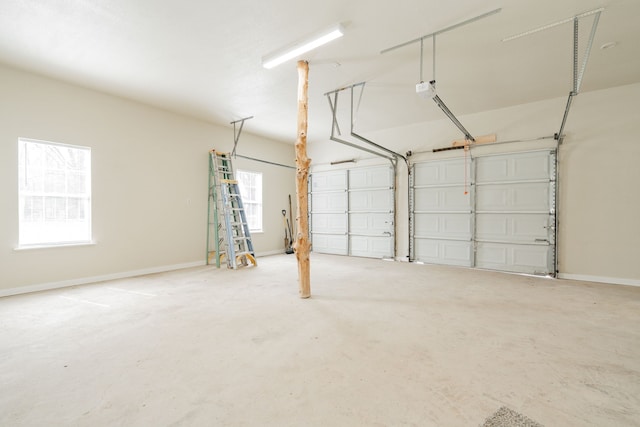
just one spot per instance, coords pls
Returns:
(250, 184)
(54, 193)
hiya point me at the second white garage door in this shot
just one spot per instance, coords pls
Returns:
(505, 221)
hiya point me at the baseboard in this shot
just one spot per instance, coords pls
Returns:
(276, 252)
(86, 280)
(599, 279)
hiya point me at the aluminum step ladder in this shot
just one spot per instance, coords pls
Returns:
(228, 235)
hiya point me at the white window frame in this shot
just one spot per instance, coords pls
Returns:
(54, 195)
(250, 199)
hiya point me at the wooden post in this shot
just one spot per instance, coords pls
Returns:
(302, 246)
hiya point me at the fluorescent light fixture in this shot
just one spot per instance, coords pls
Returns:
(303, 46)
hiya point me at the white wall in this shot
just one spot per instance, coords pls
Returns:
(149, 181)
(599, 234)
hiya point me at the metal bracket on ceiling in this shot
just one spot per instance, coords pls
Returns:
(444, 30)
(391, 155)
(236, 134)
(236, 138)
(578, 73)
(439, 102)
(554, 24)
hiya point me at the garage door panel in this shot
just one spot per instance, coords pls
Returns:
(516, 228)
(371, 247)
(329, 181)
(371, 200)
(441, 172)
(442, 199)
(329, 223)
(329, 244)
(449, 252)
(516, 258)
(530, 196)
(534, 165)
(440, 225)
(365, 178)
(371, 223)
(328, 202)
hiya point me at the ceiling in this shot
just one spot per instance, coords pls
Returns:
(203, 57)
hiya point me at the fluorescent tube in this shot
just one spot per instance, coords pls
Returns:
(303, 46)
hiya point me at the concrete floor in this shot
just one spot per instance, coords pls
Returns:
(378, 344)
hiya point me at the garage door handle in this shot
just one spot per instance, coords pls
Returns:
(542, 240)
(387, 233)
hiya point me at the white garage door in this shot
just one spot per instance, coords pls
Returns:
(352, 212)
(505, 222)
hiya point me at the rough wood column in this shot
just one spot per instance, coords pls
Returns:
(302, 246)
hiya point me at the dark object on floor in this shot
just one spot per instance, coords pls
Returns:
(505, 417)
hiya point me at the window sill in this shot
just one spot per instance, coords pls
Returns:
(53, 245)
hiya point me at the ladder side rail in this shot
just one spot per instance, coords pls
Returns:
(209, 213)
(215, 199)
